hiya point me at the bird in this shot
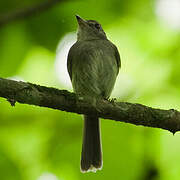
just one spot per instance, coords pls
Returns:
(93, 64)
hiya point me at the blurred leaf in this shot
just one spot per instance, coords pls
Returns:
(9, 169)
(14, 43)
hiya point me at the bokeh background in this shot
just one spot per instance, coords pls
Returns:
(44, 144)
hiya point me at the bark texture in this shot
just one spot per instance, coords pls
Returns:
(28, 93)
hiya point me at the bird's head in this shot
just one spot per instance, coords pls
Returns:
(89, 30)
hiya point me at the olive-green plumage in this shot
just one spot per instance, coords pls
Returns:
(93, 65)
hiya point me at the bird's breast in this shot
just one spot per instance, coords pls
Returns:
(94, 69)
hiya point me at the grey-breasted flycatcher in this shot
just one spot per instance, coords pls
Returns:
(93, 65)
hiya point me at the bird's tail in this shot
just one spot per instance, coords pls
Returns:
(91, 156)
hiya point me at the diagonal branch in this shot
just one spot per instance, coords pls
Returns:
(137, 114)
(29, 11)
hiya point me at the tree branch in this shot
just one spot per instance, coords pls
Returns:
(137, 114)
(29, 11)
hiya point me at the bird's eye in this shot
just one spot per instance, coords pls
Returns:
(97, 26)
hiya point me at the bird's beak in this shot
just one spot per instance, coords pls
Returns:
(81, 21)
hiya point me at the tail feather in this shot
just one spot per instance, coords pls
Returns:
(91, 156)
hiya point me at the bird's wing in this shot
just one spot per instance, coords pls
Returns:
(118, 59)
(69, 61)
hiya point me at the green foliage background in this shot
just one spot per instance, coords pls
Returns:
(36, 141)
